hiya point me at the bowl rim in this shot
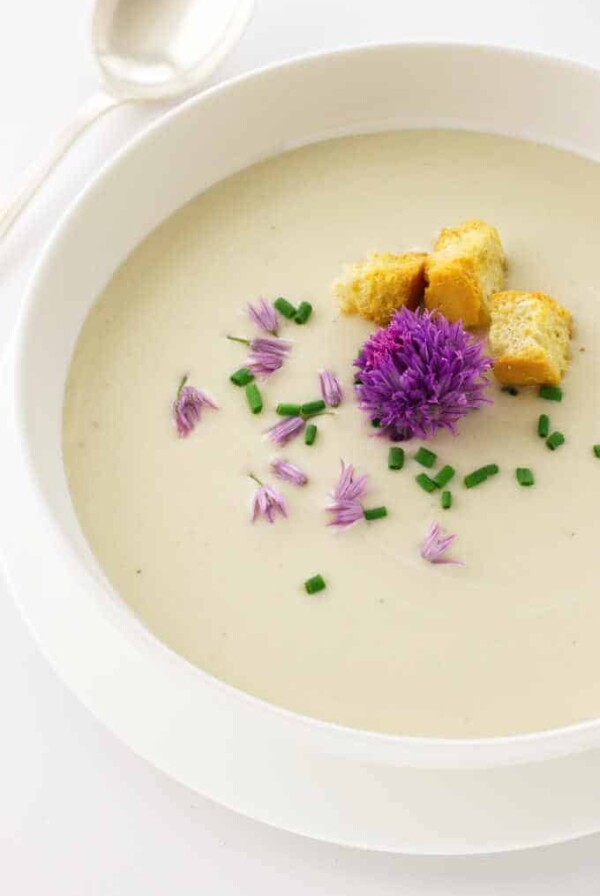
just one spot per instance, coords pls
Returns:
(440, 752)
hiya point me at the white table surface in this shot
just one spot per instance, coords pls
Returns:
(79, 813)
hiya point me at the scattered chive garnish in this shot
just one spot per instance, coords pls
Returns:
(426, 483)
(375, 423)
(555, 440)
(284, 307)
(315, 584)
(551, 393)
(491, 469)
(524, 476)
(477, 476)
(444, 476)
(543, 426)
(596, 450)
(375, 513)
(396, 458)
(425, 457)
(510, 390)
(446, 500)
(254, 397)
(303, 313)
(288, 410)
(310, 434)
(312, 407)
(242, 377)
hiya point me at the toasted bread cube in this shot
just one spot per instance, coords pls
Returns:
(382, 284)
(467, 265)
(529, 338)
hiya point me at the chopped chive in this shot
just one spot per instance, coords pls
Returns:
(357, 381)
(375, 423)
(284, 307)
(303, 313)
(254, 397)
(510, 390)
(396, 458)
(315, 584)
(476, 477)
(288, 410)
(242, 377)
(555, 440)
(524, 476)
(375, 513)
(551, 393)
(446, 500)
(543, 426)
(596, 450)
(425, 457)
(312, 407)
(491, 469)
(310, 434)
(427, 484)
(444, 476)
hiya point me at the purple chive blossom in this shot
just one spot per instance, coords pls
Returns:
(435, 546)
(286, 430)
(267, 502)
(331, 389)
(267, 355)
(346, 505)
(420, 374)
(283, 469)
(264, 316)
(187, 407)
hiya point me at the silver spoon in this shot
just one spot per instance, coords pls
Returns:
(145, 50)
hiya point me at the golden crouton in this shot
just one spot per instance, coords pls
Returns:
(382, 284)
(465, 268)
(529, 338)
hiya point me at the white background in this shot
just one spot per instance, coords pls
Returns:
(79, 814)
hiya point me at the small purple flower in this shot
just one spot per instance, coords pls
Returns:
(267, 502)
(283, 469)
(264, 316)
(331, 388)
(286, 430)
(346, 506)
(187, 407)
(267, 354)
(420, 374)
(435, 546)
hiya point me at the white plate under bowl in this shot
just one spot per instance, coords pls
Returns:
(418, 795)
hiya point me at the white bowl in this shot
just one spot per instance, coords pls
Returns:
(325, 780)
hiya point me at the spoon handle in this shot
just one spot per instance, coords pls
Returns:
(90, 111)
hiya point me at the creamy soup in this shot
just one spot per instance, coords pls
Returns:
(508, 643)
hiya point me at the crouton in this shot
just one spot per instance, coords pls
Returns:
(465, 268)
(381, 285)
(529, 338)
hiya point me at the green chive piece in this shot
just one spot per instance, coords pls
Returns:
(312, 407)
(444, 476)
(551, 393)
(242, 377)
(510, 390)
(375, 513)
(375, 423)
(310, 434)
(315, 584)
(425, 457)
(543, 426)
(596, 450)
(446, 500)
(396, 458)
(288, 410)
(476, 477)
(524, 476)
(491, 469)
(254, 397)
(284, 307)
(427, 484)
(555, 440)
(303, 313)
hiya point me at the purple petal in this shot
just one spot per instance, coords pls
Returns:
(283, 469)
(435, 546)
(346, 507)
(285, 430)
(187, 408)
(267, 354)
(331, 389)
(264, 316)
(267, 503)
